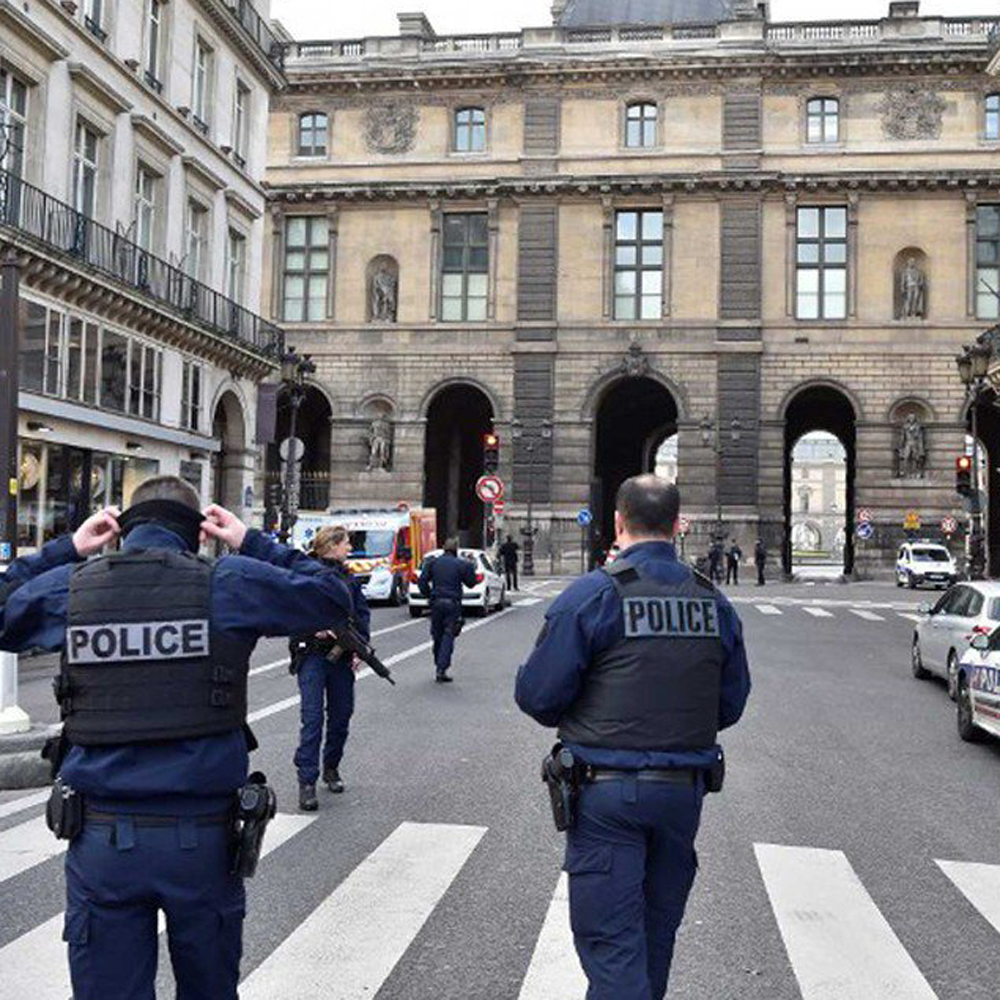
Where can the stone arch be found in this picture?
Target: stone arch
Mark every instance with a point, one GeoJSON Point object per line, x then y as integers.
{"type": "Point", "coordinates": [905, 405]}
{"type": "Point", "coordinates": [899, 262]}
{"type": "Point", "coordinates": [232, 464]}
{"type": "Point", "coordinates": [600, 388]}
{"type": "Point", "coordinates": [382, 289]}
{"type": "Point", "coordinates": [819, 383]}
{"type": "Point", "coordinates": [460, 380]}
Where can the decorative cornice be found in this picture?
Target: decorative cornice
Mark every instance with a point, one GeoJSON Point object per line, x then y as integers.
{"type": "Point", "coordinates": [227, 22]}
{"type": "Point", "coordinates": [85, 77]}
{"type": "Point", "coordinates": [156, 134]}
{"type": "Point", "coordinates": [238, 202]}
{"type": "Point", "coordinates": [199, 169]}
{"type": "Point", "coordinates": [14, 20]}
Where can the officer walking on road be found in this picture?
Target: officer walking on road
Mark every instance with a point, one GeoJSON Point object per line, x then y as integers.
{"type": "Point", "coordinates": [760, 560]}
{"type": "Point", "coordinates": [153, 690]}
{"type": "Point", "coordinates": [638, 666]}
{"type": "Point", "coordinates": [441, 582]}
{"type": "Point", "coordinates": [508, 553]}
{"type": "Point", "coordinates": [734, 556]}
{"type": "Point", "coordinates": [324, 675]}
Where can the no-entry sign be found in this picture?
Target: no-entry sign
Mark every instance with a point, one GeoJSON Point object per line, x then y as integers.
{"type": "Point", "coordinates": [489, 489]}
{"type": "Point", "coordinates": [499, 506]}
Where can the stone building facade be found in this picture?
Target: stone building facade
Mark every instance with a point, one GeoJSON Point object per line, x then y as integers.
{"type": "Point", "coordinates": [132, 141]}
{"type": "Point", "coordinates": [592, 236]}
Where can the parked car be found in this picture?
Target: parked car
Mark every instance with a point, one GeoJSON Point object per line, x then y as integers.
{"type": "Point", "coordinates": [943, 635]}
{"type": "Point", "coordinates": [979, 689]}
{"type": "Point", "coordinates": [489, 593]}
{"type": "Point", "coordinates": [920, 564]}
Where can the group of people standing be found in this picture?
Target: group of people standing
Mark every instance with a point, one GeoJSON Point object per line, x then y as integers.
{"type": "Point", "coordinates": [732, 557]}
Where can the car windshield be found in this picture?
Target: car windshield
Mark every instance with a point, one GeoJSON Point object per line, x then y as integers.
{"type": "Point", "coordinates": [373, 544]}
{"type": "Point", "coordinates": [930, 555]}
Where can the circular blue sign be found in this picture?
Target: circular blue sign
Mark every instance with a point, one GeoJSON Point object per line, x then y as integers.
{"type": "Point", "coordinates": [584, 518]}
{"type": "Point", "coordinates": [865, 531]}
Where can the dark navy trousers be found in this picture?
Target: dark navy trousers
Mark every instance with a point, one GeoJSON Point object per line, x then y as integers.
{"type": "Point", "coordinates": [118, 877]}
{"type": "Point", "coordinates": [445, 613]}
{"type": "Point", "coordinates": [333, 684]}
{"type": "Point", "coordinates": [631, 863]}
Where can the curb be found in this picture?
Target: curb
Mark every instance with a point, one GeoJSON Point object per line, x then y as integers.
{"type": "Point", "coordinates": [21, 763]}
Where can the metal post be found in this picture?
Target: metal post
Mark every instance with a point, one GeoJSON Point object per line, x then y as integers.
{"type": "Point", "coordinates": [287, 517]}
{"type": "Point", "coordinates": [13, 719]}
{"type": "Point", "coordinates": [529, 531]}
{"type": "Point", "coordinates": [976, 555]}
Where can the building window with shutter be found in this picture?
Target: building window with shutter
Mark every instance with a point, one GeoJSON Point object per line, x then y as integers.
{"type": "Point", "coordinates": [465, 268]}
{"type": "Point", "coordinates": [307, 266]}
{"type": "Point", "coordinates": [639, 265]}
{"type": "Point", "coordinates": [641, 125]}
{"type": "Point", "coordinates": [821, 263]}
{"type": "Point", "coordinates": [470, 130]}
{"type": "Point", "coordinates": [823, 120]}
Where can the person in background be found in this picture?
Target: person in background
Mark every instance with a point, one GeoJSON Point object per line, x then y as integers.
{"type": "Point", "coordinates": [508, 553]}
{"type": "Point", "coordinates": [441, 582]}
{"type": "Point", "coordinates": [734, 556]}
{"type": "Point", "coordinates": [760, 560]}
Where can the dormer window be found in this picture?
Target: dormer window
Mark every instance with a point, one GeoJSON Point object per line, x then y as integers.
{"type": "Point", "coordinates": [313, 129]}
{"type": "Point", "coordinates": [470, 130]}
{"type": "Point", "coordinates": [823, 120]}
{"type": "Point", "coordinates": [992, 116]}
{"type": "Point", "coordinates": [641, 125]}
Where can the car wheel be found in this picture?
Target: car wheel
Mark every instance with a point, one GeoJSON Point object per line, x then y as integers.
{"type": "Point", "coordinates": [952, 675]}
{"type": "Point", "coordinates": [917, 661]}
{"type": "Point", "coordinates": [912, 582]}
{"type": "Point", "coordinates": [899, 580]}
{"type": "Point", "coordinates": [967, 729]}
{"type": "Point", "coordinates": [415, 612]}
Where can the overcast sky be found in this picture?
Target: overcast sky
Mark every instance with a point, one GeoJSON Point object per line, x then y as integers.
{"type": "Point", "coordinates": [346, 19]}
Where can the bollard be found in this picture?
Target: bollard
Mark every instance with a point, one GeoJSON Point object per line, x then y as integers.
{"type": "Point", "coordinates": [13, 718]}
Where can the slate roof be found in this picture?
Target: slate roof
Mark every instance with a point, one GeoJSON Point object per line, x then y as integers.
{"type": "Point", "coordinates": [599, 13]}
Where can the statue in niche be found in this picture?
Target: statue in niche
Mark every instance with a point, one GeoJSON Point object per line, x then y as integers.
{"type": "Point", "coordinates": [383, 291]}
{"type": "Point", "coordinates": [912, 291]}
{"type": "Point", "coordinates": [380, 443]}
{"type": "Point", "coordinates": [911, 448]}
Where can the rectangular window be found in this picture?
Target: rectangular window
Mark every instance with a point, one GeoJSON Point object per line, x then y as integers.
{"type": "Point", "coordinates": [241, 124]}
{"type": "Point", "coordinates": [313, 134]}
{"type": "Point", "coordinates": [93, 18]}
{"type": "Point", "coordinates": [465, 268]}
{"type": "Point", "coordinates": [144, 210]}
{"type": "Point", "coordinates": [993, 116]}
{"type": "Point", "coordinates": [470, 130]}
{"type": "Point", "coordinates": [154, 37]}
{"type": "Point", "coordinates": [236, 256]}
{"type": "Point", "coordinates": [307, 265]}
{"type": "Point", "coordinates": [145, 374]}
{"type": "Point", "coordinates": [988, 261]}
{"type": "Point", "coordinates": [821, 263]}
{"type": "Point", "coordinates": [823, 120]}
{"type": "Point", "coordinates": [75, 352]}
{"type": "Point", "coordinates": [114, 370]}
{"type": "Point", "coordinates": [197, 240]}
{"type": "Point", "coordinates": [191, 396]}
{"type": "Point", "coordinates": [90, 362]}
{"type": "Point", "coordinates": [639, 265]}
{"type": "Point", "coordinates": [34, 323]}
{"type": "Point", "coordinates": [640, 125]}
{"type": "Point", "coordinates": [85, 169]}
{"type": "Point", "coordinates": [201, 84]}
{"type": "Point", "coordinates": [53, 354]}
{"type": "Point", "coordinates": [13, 119]}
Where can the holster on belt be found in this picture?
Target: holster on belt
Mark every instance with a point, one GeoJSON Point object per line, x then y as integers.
{"type": "Point", "coordinates": [561, 775]}
{"type": "Point", "coordinates": [64, 811]}
{"type": "Point", "coordinates": [256, 805]}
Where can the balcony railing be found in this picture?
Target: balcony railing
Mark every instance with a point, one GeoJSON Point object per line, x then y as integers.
{"type": "Point", "coordinates": [256, 27]}
{"type": "Point", "coordinates": [60, 228]}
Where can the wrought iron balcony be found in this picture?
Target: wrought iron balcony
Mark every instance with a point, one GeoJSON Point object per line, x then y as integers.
{"type": "Point", "coordinates": [58, 228]}
{"type": "Point", "coordinates": [256, 27]}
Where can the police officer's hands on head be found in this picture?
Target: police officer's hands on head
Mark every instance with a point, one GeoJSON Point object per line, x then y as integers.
{"type": "Point", "coordinates": [96, 532]}
{"type": "Point", "coordinates": [224, 526]}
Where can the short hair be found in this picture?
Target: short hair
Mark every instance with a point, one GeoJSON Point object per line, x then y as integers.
{"type": "Point", "coordinates": [451, 545]}
{"type": "Point", "coordinates": [326, 538]}
{"type": "Point", "coordinates": [167, 488]}
{"type": "Point", "coordinates": [648, 505]}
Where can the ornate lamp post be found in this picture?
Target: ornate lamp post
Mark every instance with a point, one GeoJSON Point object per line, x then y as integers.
{"type": "Point", "coordinates": [295, 369]}
{"type": "Point", "coordinates": [711, 437]}
{"type": "Point", "coordinates": [973, 367]}
{"type": "Point", "coordinates": [531, 435]}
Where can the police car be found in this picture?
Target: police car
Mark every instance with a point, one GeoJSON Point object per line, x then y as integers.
{"type": "Point", "coordinates": [979, 689]}
{"type": "Point", "coordinates": [489, 593]}
{"type": "Point", "coordinates": [925, 563]}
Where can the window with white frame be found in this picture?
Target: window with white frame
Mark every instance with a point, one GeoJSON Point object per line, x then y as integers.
{"type": "Point", "coordinates": [992, 111]}
{"type": "Point", "coordinates": [145, 379]}
{"type": "Point", "coordinates": [191, 396]}
{"type": "Point", "coordinates": [201, 84]}
{"type": "Point", "coordinates": [465, 267]}
{"type": "Point", "coordinates": [85, 166]}
{"type": "Point", "coordinates": [13, 121]}
{"type": "Point", "coordinates": [641, 125]}
{"type": "Point", "coordinates": [988, 261]}
{"type": "Point", "coordinates": [307, 267]}
{"type": "Point", "coordinates": [154, 43]}
{"type": "Point", "coordinates": [93, 18]}
{"type": "Point", "coordinates": [236, 263]}
{"type": "Point", "coordinates": [470, 130]}
{"type": "Point", "coordinates": [639, 265]}
{"type": "Point", "coordinates": [241, 123]}
{"type": "Point", "coordinates": [821, 263]}
{"type": "Point", "coordinates": [144, 208]}
{"type": "Point", "coordinates": [313, 134]}
{"type": "Point", "coordinates": [196, 242]}
{"type": "Point", "coordinates": [823, 120]}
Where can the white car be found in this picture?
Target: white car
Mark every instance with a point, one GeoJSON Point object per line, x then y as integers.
{"type": "Point", "coordinates": [489, 593]}
{"type": "Point", "coordinates": [921, 564]}
{"type": "Point", "coordinates": [979, 689]}
{"type": "Point", "coordinates": [945, 630]}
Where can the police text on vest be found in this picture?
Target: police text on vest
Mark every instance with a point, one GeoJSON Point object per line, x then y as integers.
{"type": "Point", "coordinates": [109, 643]}
{"type": "Point", "coordinates": [672, 617]}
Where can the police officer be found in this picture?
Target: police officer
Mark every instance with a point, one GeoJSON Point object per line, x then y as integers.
{"type": "Point", "coordinates": [324, 675]}
{"type": "Point", "coordinates": [441, 582]}
{"type": "Point", "coordinates": [153, 686]}
{"type": "Point", "coordinates": [639, 666]}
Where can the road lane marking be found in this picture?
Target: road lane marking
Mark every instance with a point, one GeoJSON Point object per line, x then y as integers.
{"type": "Point", "coordinates": [527, 602]}
{"type": "Point", "coordinates": [34, 964]}
{"type": "Point", "coordinates": [26, 845]}
{"type": "Point", "coordinates": [912, 618]}
{"type": "Point", "coordinates": [839, 944]}
{"type": "Point", "coordinates": [768, 609]}
{"type": "Point", "coordinates": [24, 802]}
{"type": "Point", "coordinates": [868, 616]}
{"type": "Point", "coordinates": [554, 972]}
{"type": "Point", "coordinates": [817, 612]}
{"type": "Point", "coordinates": [980, 884]}
{"type": "Point", "coordinates": [264, 668]}
{"type": "Point", "coordinates": [349, 945]}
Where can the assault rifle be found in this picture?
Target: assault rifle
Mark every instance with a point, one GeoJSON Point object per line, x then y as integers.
{"type": "Point", "coordinates": [350, 640]}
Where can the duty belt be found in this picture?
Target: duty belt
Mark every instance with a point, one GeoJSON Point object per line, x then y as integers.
{"type": "Point", "coordinates": [138, 819]}
{"type": "Point", "coordinates": [669, 776]}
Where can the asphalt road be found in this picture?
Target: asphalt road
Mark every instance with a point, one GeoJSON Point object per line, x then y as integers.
{"type": "Point", "coordinates": [433, 875]}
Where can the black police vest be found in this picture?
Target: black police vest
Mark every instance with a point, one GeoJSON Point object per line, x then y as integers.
{"type": "Point", "coordinates": [142, 662]}
{"type": "Point", "coordinates": [658, 687]}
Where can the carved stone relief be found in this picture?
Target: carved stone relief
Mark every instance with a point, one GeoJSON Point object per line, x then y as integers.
{"type": "Point", "coordinates": [912, 113]}
{"type": "Point", "coordinates": [910, 284]}
{"type": "Point", "coordinates": [391, 128]}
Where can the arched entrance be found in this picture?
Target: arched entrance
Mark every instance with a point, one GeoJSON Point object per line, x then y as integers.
{"type": "Point", "coordinates": [827, 409]}
{"type": "Point", "coordinates": [312, 427]}
{"type": "Point", "coordinates": [228, 464]}
{"type": "Point", "coordinates": [458, 418]}
{"type": "Point", "coordinates": [635, 418]}
{"type": "Point", "coordinates": [988, 430]}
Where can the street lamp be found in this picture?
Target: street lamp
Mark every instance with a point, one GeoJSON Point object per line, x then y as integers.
{"type": "Point", "coordinates": [973, 367]}
{"type": "Point", "coordinates": [295, 369]}
{"type": "Point", "coordinates": [531, 435]}
{"type": "Point", "coordinates": [711, 437]}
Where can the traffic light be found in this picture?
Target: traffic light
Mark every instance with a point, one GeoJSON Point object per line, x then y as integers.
{"type": "Point", "coordinates": [491, 453]}
{"type": "Point", "coordinates": [963, 475]}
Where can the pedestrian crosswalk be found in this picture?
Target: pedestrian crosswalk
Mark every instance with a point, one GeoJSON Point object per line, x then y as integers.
{"type": "Point", "coordinates": [838, 943]}
{"type": "Point", "coordinates": [834, 612]}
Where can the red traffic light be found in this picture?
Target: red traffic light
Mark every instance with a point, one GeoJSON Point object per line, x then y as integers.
{"type": "Point", "coordinates": [490, 441]}
{"type": "Point", "coordinates": [963, 463]}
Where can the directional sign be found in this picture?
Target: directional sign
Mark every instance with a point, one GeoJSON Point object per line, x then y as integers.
{"type": "Point", "coordinates": [683, 525]}
{"type": "Point", "coordinates": [489, 489]}
{"type": "Point", "coordinates": [912, 521]}
{"type": "Point", "coordinates": [864, 515]}
{"type": "Point", "coordinates": [865, 530]}
{"type": "Point", "coordinates": [499, 506]}
{"type": "Point", "coordinates": [584, 518]}
{"type": "Point", "coordinates": [949, 526]}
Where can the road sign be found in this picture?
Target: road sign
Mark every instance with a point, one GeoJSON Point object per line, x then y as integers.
{"type": "Point", "coordinates": [865, 530]}
{"type": "Point", "coordinates": [584, 518]}
{"type": "Point", "coordinates": [489, 489]}
{"type": "Point", "coordinates": [292, 449]}
{"type": "Point", "coordinates": [864, 515]}
{"type": "Point", "coordinates": [912, 521]}
{"type": "Point", "coordinates": [499, 506]}
{"type": "Point", "coordinates": [949, 526]}
{"type": "Point", "coordinates": [683, 525]}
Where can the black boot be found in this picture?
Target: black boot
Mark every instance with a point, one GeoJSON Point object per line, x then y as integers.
{"type": "Point", "coordinates": [307, 798]}
{"type": "Point", "coordinates": [442, 677]}
{"type": "Point", "coordinates": [331, 778]}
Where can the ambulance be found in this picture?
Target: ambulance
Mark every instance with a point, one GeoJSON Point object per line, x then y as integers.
{"type": "Point", "coordinates": [387, 545]}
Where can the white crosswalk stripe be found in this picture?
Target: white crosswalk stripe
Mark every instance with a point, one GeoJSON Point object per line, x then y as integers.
{"type": "Point", "coordinates": [26, 845]}
{"type": "Point", "coordinates": [769, 609]}
{"type": "Point", "coordinates": [554, 972]}
{"type": "Point", "coordinates": [912, 618]}
{"type": "Point", "coordinates": [527, 602]}
{"type": "Point", "coordinates": [839, 944]}
{"type": "Point", "coordinates": [818, 612]}
{"type": "Point", "coordinates": [23, 802]}
{"type": "Point", "coordinates": [360, 941]}
{"type": "Point", "coordinates": [980, 884]}
{"type": "Point", "coordinates": [868, 616]}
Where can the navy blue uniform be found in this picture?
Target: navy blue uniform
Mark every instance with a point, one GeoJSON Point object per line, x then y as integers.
{"type": "Point", "coordinates": [441, 582]}
{"type": "Point", "coordinates": [119, 874]}
{"type": "Point", "coordinates": [630, 856]}
{"type": "Point", "coordinates": [320, 679]}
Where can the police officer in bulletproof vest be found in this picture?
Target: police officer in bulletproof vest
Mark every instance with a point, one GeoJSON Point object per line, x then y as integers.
{"type": "Point", "coordinates": [152, 787]}
{"type": "Point", "coordinates": [639, 666]}
{"type": "Point", "coordinates": [441, 582]}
